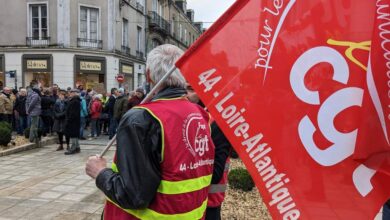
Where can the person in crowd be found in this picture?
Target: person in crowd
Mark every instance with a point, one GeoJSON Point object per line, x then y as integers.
{"type": "Point", "coordinates": [80, 88]}
{"type": "Point", "coordinates": [54, 92]}
{"type": "Point", "coordinates": [72, 124]}
{"type": "Point", "coordinates": [88, 99]}
{"type": "Point", "coordinates": [6, 105]}
{"type": "Point", "coordinates": [104, 117]}
{"type": "Point", "coordinates": [83, 114]}
{"type": "Point", "coordinates": [14, 95]}
{"type": "Point", "coordinates": [59, 120]}
{"type": "Point", "coordinates": [47, 103]}
{"type": "Point", "coordinates": [20, 111]}
{"type": "Point", "coordinates": [110, 110]}
{"type": "Point", "coordinates": [137, 98]}
{"type": "Point", "coordinates": [221, 164]}
{"type": "Point", "coordinates": [33, 110]}
{"type": "Point", "coordinates": [120, 107]}
{"type": "Point", "coordinates": [95, 111]}
{"type": "Point", "coordinates": [145, 181]}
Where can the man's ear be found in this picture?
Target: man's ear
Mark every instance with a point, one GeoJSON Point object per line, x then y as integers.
{"type": "Point", "coordinates": [148, 79]}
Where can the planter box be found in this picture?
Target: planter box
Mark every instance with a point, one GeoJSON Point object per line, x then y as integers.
{"type": "Point", "coordinates": [44, 141]}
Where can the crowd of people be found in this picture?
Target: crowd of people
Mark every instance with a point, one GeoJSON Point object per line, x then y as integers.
{"type": "Point", "coordinates": [35, 111]}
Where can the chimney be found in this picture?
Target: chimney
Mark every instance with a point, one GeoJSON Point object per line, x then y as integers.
{"type": "Point", "coordinates": [182, 4]}
{"type": "Point", "coordinates": [191, 14]}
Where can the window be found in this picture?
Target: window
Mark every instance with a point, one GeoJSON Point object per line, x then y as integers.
{"type": "Point", "coordinates": [139, 38]}
{"type": "Point", "coordinates": [125, 33]}
{"type": "Point", "coordinates": [181, 32]}
{"type": "Point", "coordinates": [38, 21]}
{"type": "Point", "coordinates": [173, 26]}
{"type": "Point", "coordinates": [156, 7]}
{"type": "Point", "coordinates": [185, 36]}
{"type": "Point", "coordinates": [155, 43]}
{"type": "Point", "coordinates": [89, 22]}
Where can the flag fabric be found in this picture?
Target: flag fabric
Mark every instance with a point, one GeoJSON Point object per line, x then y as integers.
{"type": "Point", "coordinates": [301, 90]}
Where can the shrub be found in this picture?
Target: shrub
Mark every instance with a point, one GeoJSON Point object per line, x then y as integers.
{"type": "Point", "coordinates": [240, 178]}
{"type": "Point", "coordinates": [6, 124]}
{"type": "Point", "coordinates": [5, 133]}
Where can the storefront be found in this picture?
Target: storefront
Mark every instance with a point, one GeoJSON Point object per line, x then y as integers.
{"type": "Point", "coordinates": [90, 72]}
{"type": "Point", "coordinates": [127, 70]}
{"type": "Point", "coordinates": [2, 72]}
{"type": "Point", "coordinates": [37, 67]}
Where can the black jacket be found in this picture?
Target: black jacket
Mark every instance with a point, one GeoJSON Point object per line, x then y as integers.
{"type": "Point", "coordinates": [72, 117]}
{"type": "Point", "coordinates": [110, 105]}
{"type": "Point", "coordinates": [222, 151]}
{"type": "Point", "coordinates": [138, 136]}
{"type": "Point", "coordinates": [47, 103]}
{"type": "Point", "coordinates": [20, 105]}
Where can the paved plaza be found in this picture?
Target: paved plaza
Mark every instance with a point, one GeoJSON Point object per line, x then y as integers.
{"type": "Point", "coordinates": [45, 184]}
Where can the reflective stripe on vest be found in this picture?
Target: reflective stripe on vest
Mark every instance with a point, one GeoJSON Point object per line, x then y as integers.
{"type": "Point", "coordinates": [184, 186]}
{"type": "Point", "coordinates": [150, 214]}
{"type": "Point", "coordinates": [218, 188]}
{"type": "Point", "coordinates": [178, 187]}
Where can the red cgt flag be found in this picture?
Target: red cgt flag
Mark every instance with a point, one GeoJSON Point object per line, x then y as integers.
{"type": "Point", "coordinates": [292, 86]}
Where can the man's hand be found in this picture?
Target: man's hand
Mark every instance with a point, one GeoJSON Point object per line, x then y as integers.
{"type": "Point", "coordinates": [95, 165]}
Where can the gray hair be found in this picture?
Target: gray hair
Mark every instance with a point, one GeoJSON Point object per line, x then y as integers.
{"type": "Point", "coordinates": [160, 60]}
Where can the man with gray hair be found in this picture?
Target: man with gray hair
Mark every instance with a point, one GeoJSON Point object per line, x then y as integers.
{"type": "Point", "coordinates": [6, 105]}
{"type": "Point", "coordinates": [20, 111]}
{"type": "Point", "coordinates": [164, 159]}
{"type": "Point", "coordinates": [33, 110]}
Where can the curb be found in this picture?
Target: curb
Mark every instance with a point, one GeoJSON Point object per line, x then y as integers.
{"type": "Point", "coordinates": [29, 146]}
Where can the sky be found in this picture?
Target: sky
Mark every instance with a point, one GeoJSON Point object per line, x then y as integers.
{"type": "Point", "coordinates": [208, 10]}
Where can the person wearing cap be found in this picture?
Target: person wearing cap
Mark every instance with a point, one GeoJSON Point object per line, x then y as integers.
{"type": "Point", "coordinates": [136, 99]}
{"type": "Point", "coordinates": [152, 176]}
{"type": "Point", "coordinates": [72, 121]}
{"type": "Point", "coordinates": [6, 105]}
{"type": "Point", "coordinates": [120, 106]}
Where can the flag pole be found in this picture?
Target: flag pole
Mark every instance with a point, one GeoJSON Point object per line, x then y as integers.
{"type": "Point", "coordinates": [146, 99]}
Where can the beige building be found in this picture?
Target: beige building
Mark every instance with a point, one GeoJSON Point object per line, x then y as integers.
{"type": "Point", "coordinates": [169, 21]}
{"type": "Point", "coordinates": [73, 42]}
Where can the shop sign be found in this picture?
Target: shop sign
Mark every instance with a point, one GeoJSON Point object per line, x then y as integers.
{"type": "Point", "coordinates": [94, 66]}
{"type": "Point", "coordinates": [126, 69]}
{"type": "Point", "coordinates": [36, 64]}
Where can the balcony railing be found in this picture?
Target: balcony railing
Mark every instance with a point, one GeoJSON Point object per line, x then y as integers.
{"type": "Point", "coordinates": [140, 7]}
{"type": "Point", "coordinates": [37, 42]}
{"type": "Point", "coordinates": [125, 50]}
{"type": "Point", "coordinates": [139, 55]}
{"type": "Point", "coordinates": [89, 43]}
{"type": "Point", "coordinates": [157, 21]}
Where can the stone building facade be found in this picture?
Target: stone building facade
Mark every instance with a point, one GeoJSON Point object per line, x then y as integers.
{"type": "Point", "coordinates": [71, 43]}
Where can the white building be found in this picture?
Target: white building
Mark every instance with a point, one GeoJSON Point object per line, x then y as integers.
{"type": "Point", "coordinates": [73, 42]}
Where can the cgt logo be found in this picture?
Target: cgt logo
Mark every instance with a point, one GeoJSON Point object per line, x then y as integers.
{"type": "Point", "coordinates": [343, 144]}
{"type": "Point", "coordinates": [195, 125]}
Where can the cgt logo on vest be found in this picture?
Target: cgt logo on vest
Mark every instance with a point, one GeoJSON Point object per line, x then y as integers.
{"type": "Point", "coordinates": [342, 144]}
{"type": "Point", "coordinates": [197, 144]}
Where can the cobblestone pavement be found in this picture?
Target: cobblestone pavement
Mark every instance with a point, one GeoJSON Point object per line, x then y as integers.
{"type": "Point", "coordinates": [45, 184]}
